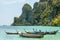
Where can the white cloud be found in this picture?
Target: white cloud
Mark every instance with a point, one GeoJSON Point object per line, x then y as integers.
{"type": "Point", "coordinates": [11, 1]}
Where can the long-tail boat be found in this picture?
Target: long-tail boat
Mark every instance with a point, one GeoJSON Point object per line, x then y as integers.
{"type": "Point", "coordinates": [44, 33]}
{"type": "Point", "coordinates": [52, 32]}
{"type": "Point", "coordinates": [11, 32]}
{"type": "Point", "coordinates": [31, 35]}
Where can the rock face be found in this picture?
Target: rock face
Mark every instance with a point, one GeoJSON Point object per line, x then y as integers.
{"type": "Point", "coordinates": [27, 13]}
{"type": "Point", "coordinates": [43, 13]}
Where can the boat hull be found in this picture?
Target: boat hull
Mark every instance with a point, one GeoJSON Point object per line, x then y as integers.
{"type": "Point", "coordinates": [11, 33]}
{"type": "Point", "coordinates": [43, 33]}
{"type": "Point", "coordinates": [53, 32]}
{"type": "Point", "coordinates": [31, 35]}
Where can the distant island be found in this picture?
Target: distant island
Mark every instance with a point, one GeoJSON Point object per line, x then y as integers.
{"type": "Point", "coordinates": [43, 13]}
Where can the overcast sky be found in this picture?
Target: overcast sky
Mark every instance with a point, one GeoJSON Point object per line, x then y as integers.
{"type": "Point", "coordinates": [12, 8]}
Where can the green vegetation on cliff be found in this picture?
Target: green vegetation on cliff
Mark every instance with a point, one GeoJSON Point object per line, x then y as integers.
{"type": "Point", "coordinates": [44, 12]}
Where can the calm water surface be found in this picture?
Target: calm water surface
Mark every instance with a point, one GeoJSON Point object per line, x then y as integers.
{"type": "Point", "coordinates": [4, 36]}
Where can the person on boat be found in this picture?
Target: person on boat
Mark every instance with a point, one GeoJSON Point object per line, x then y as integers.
{"type": "Point", "coordinates": [39, 30]}
{"type": "Point", "coordinates": [36, 32]}
{"type": "Point", "coordinates": [25, 30]}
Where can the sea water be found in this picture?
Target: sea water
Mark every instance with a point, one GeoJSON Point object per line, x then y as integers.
{"type": "Point", "coordinates": [4, 36]}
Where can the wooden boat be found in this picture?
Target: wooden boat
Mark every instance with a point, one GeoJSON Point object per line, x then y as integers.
{"type": "Point", "coordinates": [53, 32]}
{"type": "Point", "coordinates": [35, 33]}
{"type": "Point", "coordinates": [11, 32]}
{"type": "Point", "coordinates": [17, 32]}
{"type": "Point", "coordinates": [31, 35]}
{"type": "Point", "coordinates": [44, 33]}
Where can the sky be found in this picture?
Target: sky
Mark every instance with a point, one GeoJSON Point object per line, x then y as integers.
{"type": "Point", "coordinates": [12, 8]}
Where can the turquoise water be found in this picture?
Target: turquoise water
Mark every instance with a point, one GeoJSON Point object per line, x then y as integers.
{"type": "Point", "coordinates": [4, 36]}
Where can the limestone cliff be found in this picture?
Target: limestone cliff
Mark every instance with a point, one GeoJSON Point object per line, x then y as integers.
{"type": "Point", "coordinates": [42, 13]}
